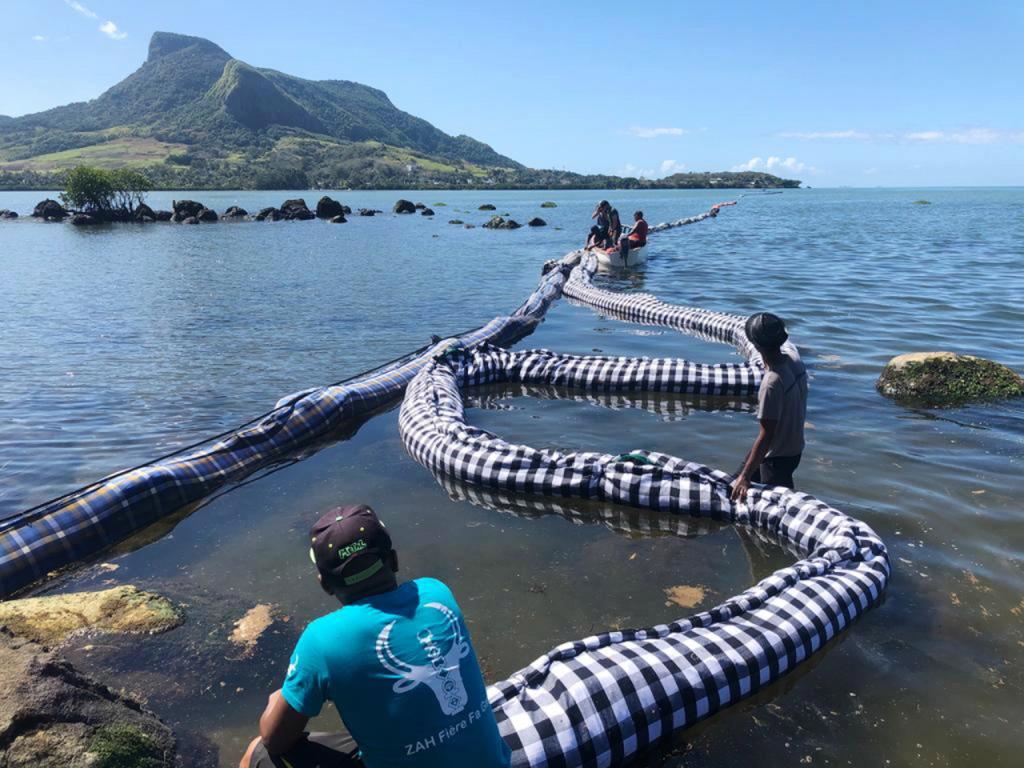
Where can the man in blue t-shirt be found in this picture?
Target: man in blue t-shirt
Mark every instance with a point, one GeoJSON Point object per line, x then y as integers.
{"type": "Point", "coordinates": [395, 659]}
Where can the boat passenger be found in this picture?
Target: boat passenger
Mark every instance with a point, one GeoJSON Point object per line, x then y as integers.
{"type": "Point", "coordinates": [637, 238]}
{"type": "Point", "coordinates": [395, 659]}
{"type": "Point", "coordinates": [614, 225]}
{"type": "Point", "coordinates": [781, 408]}
{"type": "Point", "coordinates": [599, 232]}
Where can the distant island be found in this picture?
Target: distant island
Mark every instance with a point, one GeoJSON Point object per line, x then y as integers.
{"type": "Point", "coordinates": [194, 117]}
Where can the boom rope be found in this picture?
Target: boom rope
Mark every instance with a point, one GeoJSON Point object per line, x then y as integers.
{"type": "Point", "coordinates": [604, 699]}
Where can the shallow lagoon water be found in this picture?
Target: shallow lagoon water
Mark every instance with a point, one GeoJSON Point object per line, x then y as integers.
{"type": "Point", "coordinates": [120, 343]}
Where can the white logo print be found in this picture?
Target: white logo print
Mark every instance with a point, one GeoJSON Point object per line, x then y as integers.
{"type": "Point", "coordinates": [293, 666]}
{"type": "Point", "coordinates": [442, 674]}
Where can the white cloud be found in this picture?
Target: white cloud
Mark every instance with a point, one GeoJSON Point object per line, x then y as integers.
{"type": "Point", "coordinates": [848, 134]}
{"type": "Point", "coordinates": [668, 167]}
{"type": "Point", "coordinates": [110, 29]}
{"type": "Point", "coordinates": [78, 7]}
{"type": "Point", "coordinates": [39, 38]}
{"type": "Point", "coordinates": [653, 133]}
{"type": "Point", "coordinates": [965, 136]}
{"type": "Point", "coordinates": [775, 164]}
{"type": "Point", "coordinates": [870, 171]}
{"type": "Point", "coordinates": [636, 171]}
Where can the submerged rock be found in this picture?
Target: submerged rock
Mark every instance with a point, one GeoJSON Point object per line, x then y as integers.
{"type": "Point", "coordinates": [938, 379]}
{"type": "Point", "coordinates": [248, 629]}
{"type": "Point", "coordinates": [6, 214]}
{"type": "Point", "coordinates": [49, 210]}
{"type": "Point", "coordinates": [487, 207]}
{"type": "Point", "coordinates": [497, 222]}
{"type": "Point", "coordinates": [190, 220]}
{"type": "Point", "coordinates": [208, 215]}
{"type": "Point", "coordinates": [52, 619]}
{"type": "Point", "coordinates": [339, 219]}
{"type": "Point", "coordinates": [420, 206]}
{"type": "Point", "coordinates": [164, 215]}
{"type": "Point", "coordinates": [328, 208]}
{"type": "Point", "coordinates": [84, 220]}
{"type": "Point", "coordinates": [548, 204]}
{"type": "Point", "coordinates": [404, 206]}
{"type": "Point", "coordinates": [426, 212]}
{"type": "Point", "coordinates": [368, 212]}
{"type": "Point", "coordinates": [52, 715]}
{"type": "Point", "coordinates": [455, 221]}
{"type": "Point", "coordinates": [536, 221]}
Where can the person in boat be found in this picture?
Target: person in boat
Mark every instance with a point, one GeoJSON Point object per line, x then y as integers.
{"type": "Point", "coordinates": [637, 237]}
{"type": "Point", "coordinates": [599, 232]}
{"type": "Point", "coordinates": [781, 408]}
{"type": "Point", "coordinates": [614, 225]}
{"type": "Point", "coordinates": [396, 660]}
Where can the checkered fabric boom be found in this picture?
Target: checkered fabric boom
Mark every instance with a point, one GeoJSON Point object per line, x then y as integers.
{"type": "Point", "coordinates": [35, 543]}
{"type": "Point", "coordinates": [603, 699]}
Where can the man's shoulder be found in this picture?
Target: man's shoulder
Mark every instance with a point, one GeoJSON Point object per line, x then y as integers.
{"type": "Point", "coordinates": [433, 589]}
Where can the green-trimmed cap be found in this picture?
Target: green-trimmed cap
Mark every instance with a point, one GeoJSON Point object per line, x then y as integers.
{"type": "Point", "coordinates": [350, 544]}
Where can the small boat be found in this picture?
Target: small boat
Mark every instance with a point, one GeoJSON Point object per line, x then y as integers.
{"type": "Point", "coordinates": [613, 257]}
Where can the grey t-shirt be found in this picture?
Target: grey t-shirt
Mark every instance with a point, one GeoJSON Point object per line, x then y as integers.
{"type": "Point", "coordinates": [783, 399]}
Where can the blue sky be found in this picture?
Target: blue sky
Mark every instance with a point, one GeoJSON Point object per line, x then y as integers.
{"type": "Point", "coordinates": [862, 94]}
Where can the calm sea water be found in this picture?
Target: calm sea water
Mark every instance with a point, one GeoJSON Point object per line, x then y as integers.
{"type": "Point", "coordinates": [118, 344]}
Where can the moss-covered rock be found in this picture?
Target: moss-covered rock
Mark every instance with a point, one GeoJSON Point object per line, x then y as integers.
{"type": "Point", "coordinates": [942, 379]}
{"type": "Point", "coordinates": [126, 746]}
{"type": "Point", "coordinates": [51, 620]}
{"type": "Point", "coordinates": [922, 202]}
{"type": "Point", "coordinates": [548, 204]}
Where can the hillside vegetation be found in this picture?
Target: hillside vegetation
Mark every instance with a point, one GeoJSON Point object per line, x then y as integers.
{"type": "Point", "coordinates": [192, 116]}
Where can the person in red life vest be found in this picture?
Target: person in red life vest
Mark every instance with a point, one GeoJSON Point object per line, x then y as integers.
{"type": "Point", "coordinates": [637, 238]}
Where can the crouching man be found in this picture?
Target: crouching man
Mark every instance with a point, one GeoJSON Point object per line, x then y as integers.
{"type": "Point", "coordinates": [395, 659]}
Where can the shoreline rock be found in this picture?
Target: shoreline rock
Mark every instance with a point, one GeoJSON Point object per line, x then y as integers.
{"type": "Point", "coordinates": [944, 379]}
{"type": "Point", "coordinates": [49, 210]}
{"type": "Point", "coordinates": [51, 714]}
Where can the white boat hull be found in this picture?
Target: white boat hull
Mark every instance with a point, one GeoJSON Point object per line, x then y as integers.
{"type": "Point", "coordinates": [614, 259]}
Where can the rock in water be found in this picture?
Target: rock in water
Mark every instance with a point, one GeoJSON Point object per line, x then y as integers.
{"type": "Point", "coordinates": [184, 209]}
{"type": "Point", "coordinates": [164, 215]}
{"type": "Point", "coordinates": [49, 210]}
{"type": "Point", "coordinates": [367, 212]}
{"type": "Point", "coordinates": [328, 208]}
{"type": "Point", "coordinates": [144, 213]}
{"type": "Point", "coordinates": [426, 212]}
{"type": "Point", "coordinates": [339, 219]}
{"type": "Point", "coordinates": [497, 222]}
{"type": "Point", "coordinates": [455, 221]}
{"type": "Point", "coordinates": [84, 220]}
{"type": "Point", "coordinates": [268, 213]}
{"type": "Point", "coordinates": [536, 221]}
{"type": "Point", "coordinates": [190, 220]}
{"type": "Point", "coordinates": [6, 214]}
{"type": "Point", "coordinates": [486, 207]}
{"type": "Point", "coordinates": [235, 212]}
{"type": "Point", "coordinates": [296, 210]}
{"type": "Point", "coordinates": [52, 715]}
{"type": "Point", "coordinates": [52, 619]}
{"type": "Point", "coordinates": [251, 626]}
{"type": "Point", "coordinates": [404, 206]}
{"type": "Point", "coordinates": [548, 204]}
{"type": "Point", "coordinates": [941, 379]}
{"type": "Point", "coordinates": [420, 206]}
{"type": "Point", "coordinates": [207, 214]}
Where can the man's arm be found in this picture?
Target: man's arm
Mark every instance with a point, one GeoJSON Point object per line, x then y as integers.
{"type": "Point", "coordinates": [764, 440]}
{"type": "Point", "coordinates": [280, 725]}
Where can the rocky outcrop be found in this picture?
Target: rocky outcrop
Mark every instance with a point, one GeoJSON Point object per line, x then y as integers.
{"type": "Point", "coordinates": [52, 619]}
{"type": "Point", "coordinates": [486, 207]}
{"type": "Point", "coordinates": [49, 210]}
{"type": "Point", "coordinates": [328, 208]}
{"type": "Point", "coordinates": [271, 214]}
{"type": "Point", "coordinates": [84, 220]}
{"type": "Point", "coordinates": [497, 222]}
{"type": "Point", "coordinates": [143, 212]}
{"type": "Point", "coordinates": [404, 206]}
{"type": "Point", "coordinates": [164, 215]}
{"type": "Point", "coordinates": [184, 209]}
{"type": "Point", "coordinates": [420, 206]}
{"type": "Point", "coordinates": [536, 221]}
{"type": "Point", "coordinates": [339, 219]}
{"type": "Point", "coordinates": [296, 210]}
{"type": "Point", "coordinates": [6, 214]}
{"type": "Point", "coordinates": [52, 715]}
{"type": "Point", "coordinates": [235, 213]}
{"type": "Point", "coordinates": [190, 220]}
{"type": "Point", "coordinates": [367, 212]}
{"type": "Point", "coordinates": [427, 212]}
{"type": "Point", "coordinates": [942, 379]}
{"type": "Point", "coordinates": [208, 215]}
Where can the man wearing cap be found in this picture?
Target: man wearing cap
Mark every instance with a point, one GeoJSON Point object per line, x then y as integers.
{"type": "Point", "coordinates": [781, 408]}
{"type": "Point", "coordinates": [395, 659]}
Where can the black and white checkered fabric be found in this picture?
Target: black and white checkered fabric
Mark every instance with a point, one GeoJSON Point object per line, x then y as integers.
{"type": "Point", "coordinates": [600, 700]}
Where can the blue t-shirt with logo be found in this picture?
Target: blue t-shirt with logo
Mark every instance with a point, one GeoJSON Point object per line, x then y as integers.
{"type": "Point", "coordinates": [401, 670]}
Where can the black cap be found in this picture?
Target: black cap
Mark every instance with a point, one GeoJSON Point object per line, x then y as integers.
{"type": "Point", "coordinates": [766, 330]}
{"type": "Point", "coordinates": [350, 544]}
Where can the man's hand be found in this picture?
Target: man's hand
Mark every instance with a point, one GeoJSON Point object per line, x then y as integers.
{"type": "Point", "coordinates": [740, 487]}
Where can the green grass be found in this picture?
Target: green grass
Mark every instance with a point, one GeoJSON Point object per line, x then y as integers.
{"type": "Point", "coordinates": [116, 153]}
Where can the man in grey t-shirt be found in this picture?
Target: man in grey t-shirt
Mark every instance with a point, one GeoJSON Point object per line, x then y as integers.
{"type": "Point", "coordinates": [781, 408]}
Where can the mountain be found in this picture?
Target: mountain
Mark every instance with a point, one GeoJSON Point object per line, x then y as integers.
{"type": "Point", "coordinates": [194, 116]}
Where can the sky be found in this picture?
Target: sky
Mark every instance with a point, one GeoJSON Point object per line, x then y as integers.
{"type": "Point", "coordinates": [835, 94]}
